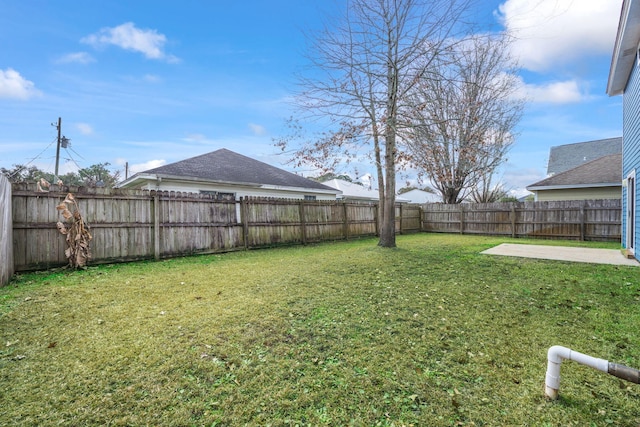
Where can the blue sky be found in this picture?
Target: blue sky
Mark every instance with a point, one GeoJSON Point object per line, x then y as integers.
{"type": "Point", "coordinates": [154, 82]}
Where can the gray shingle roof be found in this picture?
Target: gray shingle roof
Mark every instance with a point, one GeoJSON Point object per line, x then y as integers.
{"type": "Point", "coordinates": [227, 166]}
{"type": "Point", "coordinates": [605, 170]}
{"type": "Point", "coordinates": [569, 156]}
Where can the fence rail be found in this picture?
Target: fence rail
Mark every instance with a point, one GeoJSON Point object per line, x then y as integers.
{"type": "Point", "coordinates": [132, 225]}
{"type": "Point", "coordinates": [572, 220]}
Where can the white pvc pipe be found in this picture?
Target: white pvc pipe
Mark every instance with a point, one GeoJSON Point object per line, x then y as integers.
{"type": "Point", "coordinates": [555, 355]}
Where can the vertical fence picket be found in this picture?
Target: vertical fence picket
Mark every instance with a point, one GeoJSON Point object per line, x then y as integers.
{"type": "Point", "coordinates": [303, 223]}
{"type": "Point", "coordinates": [155, 213]}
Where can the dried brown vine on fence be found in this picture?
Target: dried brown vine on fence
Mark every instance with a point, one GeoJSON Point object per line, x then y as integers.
{"type": "Point", "coordinates": [78, 251]}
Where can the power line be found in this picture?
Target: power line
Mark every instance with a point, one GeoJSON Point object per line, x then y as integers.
{"type": "Point", "coordinates": [74, 152]}
{"type": "Point", "coordinates": [73, 160]}
{"type": "Point", "coordinates": [32, 160]}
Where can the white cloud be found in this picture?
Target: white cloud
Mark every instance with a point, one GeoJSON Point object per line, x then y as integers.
{"type": "Point", "coordinates": [127, 36]}
{"type": "Point", "coordinates": [138, 167]}
{"type": "Point", "coordinates": [257, 130]}
{"type": "Point", "coordinates": [13, 85]}
{"type": "Point", "coordinates": [564, 92]}
{"type": "Point", "coordinates": [516, 180]}
{"type": "Point", "coordinates": [151, 78]}
{"type": "Point", "coordinates": [76, 57]}
{"type": "Point", "coordinates": [552, 32]}
{"type": "Point", "coordinates": [141, 167]}
{"type": "Point", "coordinates": [84, 128]}
{"type": "Point", "coordinates": [195, 137]}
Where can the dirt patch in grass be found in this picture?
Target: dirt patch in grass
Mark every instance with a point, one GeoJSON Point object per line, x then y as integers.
{"type": "Point", "coordinates": [430, 333]}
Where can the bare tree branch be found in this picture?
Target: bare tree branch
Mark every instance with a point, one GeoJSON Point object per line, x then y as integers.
{"type": "Point", "coordinates": [363, 70]}
{"type": "Point", "coordinates": [464, 118]}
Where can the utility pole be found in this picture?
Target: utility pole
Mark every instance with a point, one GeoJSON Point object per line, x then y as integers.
{"type": "Point", "coordinates": [59, 127]}
{"type": "Point", "coordinates": [62, 141]}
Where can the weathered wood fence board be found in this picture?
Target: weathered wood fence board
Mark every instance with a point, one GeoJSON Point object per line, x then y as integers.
{"type": "Point", "coordinates": [6, 231]}
{"type": "Point", "coordinates": [132, 225]}
{"type": "Point", "coordinates": [574, 220]}
{"type": "Point", "coordinates": [408, 218]}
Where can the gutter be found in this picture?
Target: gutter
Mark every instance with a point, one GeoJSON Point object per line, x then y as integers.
{"type": "Point", "coordinates": [573, 186]}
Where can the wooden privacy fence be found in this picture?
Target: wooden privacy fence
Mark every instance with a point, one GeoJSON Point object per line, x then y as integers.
{"type": "Point", "coordinates": [131, 225]}
{"type": "Point", "coordinates": [6, 231]}
{"type": "Point", "coordinates": [572, 220]}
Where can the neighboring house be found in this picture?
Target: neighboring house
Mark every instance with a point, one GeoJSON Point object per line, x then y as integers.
{"type": "Point", "coordinates": [597, 179]}
{"type": "Point", "coordinates": [352, 191]}
{"type": "Point", "coordinates": [229, 175]}
{"type": "Point", "coordinates": [624, 79]}
{"type": "Point", "coordinates": [569, 156]}
{"type": "Point", "coordinates": [582, 171]}
{"type": "Point", "coordinates": [421, 196]}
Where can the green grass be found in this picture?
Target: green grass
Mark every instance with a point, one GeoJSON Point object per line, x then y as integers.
{"type": "Point", "coordinates": [430, 333]}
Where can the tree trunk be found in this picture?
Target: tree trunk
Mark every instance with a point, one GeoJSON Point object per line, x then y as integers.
{"type": "Point", "coordinates": [388, 229]}
{"type": "Point", "coordinates": [380, 177]}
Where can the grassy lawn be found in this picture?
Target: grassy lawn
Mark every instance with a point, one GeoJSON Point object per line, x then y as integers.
{"type": "Point", "coordinates": [430, 333]}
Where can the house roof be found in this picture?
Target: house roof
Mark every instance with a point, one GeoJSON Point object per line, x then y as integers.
{"type": "Point", "coordinates": [353, 191]}
{"type": "Point", "coordinates": [626, 47]}
{"type": "Point", "coordinates": [421, 196]}
{"type": "Point", "coordinates": [569, 156]}
{"type": "Point", "coordinates": [226, 166]}
{"type": "Point", "coordinates": [605, 171]}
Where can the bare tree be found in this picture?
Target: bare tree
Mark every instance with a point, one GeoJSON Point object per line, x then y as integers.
{"type": "Point", "coordinates": [464, 119]}
{"type": "Point", "coordinates": [485, 191]}
{"type": "Point", "coordinates": [362, 72]}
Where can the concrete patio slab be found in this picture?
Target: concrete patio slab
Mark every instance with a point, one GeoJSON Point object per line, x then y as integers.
{"type": "Point", "coordinates": [563, 253]}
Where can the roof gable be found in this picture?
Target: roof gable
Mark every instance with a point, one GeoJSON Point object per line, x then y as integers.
{"type": "Point", "coordinates": [229, 167]}
{"type": "Point", "coordinates": [606, 170]}
{"type": "Point", "coordinates": [569, 156]}
{"type": "Point", "coordinates": [626, 47]}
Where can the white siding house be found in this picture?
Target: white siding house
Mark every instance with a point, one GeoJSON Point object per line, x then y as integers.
{"type": "Point", "coordinates": [229, 175]}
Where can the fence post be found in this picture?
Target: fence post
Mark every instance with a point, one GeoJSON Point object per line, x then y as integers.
{"type": "Point", "coordinates": [244, 220]}
{"type": "Point", "coordinates": [303, 222]}
{"type": "Point", "coordinates": [156, 226]}
{"type": "Point", "coordinates": [461, 218]}
{"type": "Point", "coordinates": [7, 267]}
{"type": "Point", "coordinates": [513, 220]}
